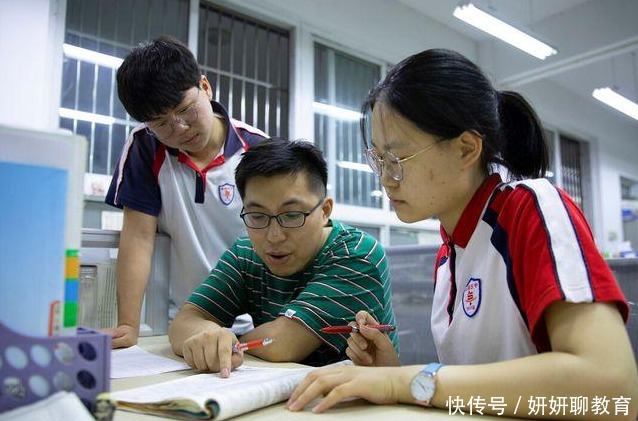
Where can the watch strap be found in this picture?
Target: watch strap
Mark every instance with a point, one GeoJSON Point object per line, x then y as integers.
{"type": "Point", "coordinates": [431, 370]}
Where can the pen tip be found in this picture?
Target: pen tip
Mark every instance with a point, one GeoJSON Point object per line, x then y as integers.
{"type": "Point", "coordinates": [268, 341]}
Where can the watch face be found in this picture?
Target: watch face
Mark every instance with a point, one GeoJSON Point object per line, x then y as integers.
{"type": "Point", "coordinates": [423, 387]}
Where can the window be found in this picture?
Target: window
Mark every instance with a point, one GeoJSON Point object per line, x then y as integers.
{"type": "Point", "coordinates": [248, 64]}
{"type": "Point", "coordinates": [246, 61]}
{"type": "Point", "coordinates": [569, 168]}
{"type": "Point", "coordinates": [341, 85]}
{"type": "Point", "coordinates": [572, 173]}
{"type": "Point", "coordinates": [407, 236]}
{"type": "Point", "coordinates": [89, 104]}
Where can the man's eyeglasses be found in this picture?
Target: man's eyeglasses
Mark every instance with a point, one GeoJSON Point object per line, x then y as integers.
{"type": "Point", "coordinates": [295, 219]}
{"type": "Point", "coordinates": [186, 117]}
{"type": "Point", "coordinates": [390, 163]}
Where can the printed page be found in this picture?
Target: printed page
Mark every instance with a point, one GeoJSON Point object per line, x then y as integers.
{"type": "Point", "coordinates": [134, 361]}
{"type": "Point", "coordinates": [257, 392]}
{"type": "Point", "coordinates": [246, 389]}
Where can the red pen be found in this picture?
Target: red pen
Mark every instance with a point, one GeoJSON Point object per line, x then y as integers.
{"type": "Point", "coordinates": [350, 329]}
{"type": "Point", "coordinates": [245, 346]}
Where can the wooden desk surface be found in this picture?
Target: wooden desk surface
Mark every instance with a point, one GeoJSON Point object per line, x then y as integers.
{"type": "Point", "coordinates": [355, 410]}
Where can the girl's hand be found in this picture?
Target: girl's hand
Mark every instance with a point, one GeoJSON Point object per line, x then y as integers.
{"type": "Point", "coordinates": [369, 346]}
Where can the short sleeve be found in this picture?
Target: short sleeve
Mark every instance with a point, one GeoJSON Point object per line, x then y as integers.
{"type": "Point", "coordinates": [342, 285]}
{"type": "Point", "coordinates": [134, 183]}
{"type": "Point", "coordinates": [554, 257]}
{"type": "Point", "coordinates": [222, 295]}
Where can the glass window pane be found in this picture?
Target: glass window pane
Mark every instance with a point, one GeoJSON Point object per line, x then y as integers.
{"type": "Point", "coordinates": [247, 63]}
{"type": "Point", "coordinates": [343, 81]}
{"type": "Point", "coordinates": [110, 27]}
{"type": "Point", "coordinates": [373, 231]}
{"type": "Point", "coordinates": [405, 236]}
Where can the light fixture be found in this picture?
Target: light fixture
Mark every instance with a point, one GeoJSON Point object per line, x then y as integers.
{"type": "Point", "coordinates": [354, 166]}
{"type": "Point", "coordinates": [90, 56]}
{"type": "Point", "coordinates": [336, 112]}
{"type": "Point", "coordinates": [471, 14]}
{"type": "Point", "coordinates": [617, 101]}
{"type": "Point", "coordinates": [84, 116]}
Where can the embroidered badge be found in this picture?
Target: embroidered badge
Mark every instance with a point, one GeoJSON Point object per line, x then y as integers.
{"type": "Point", "coordinates": [472, 297]}
{"type": "Point", "coordinates": [226, 193]}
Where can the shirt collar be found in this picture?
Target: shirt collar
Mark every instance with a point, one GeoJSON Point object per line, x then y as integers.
{"type": "Point", "coordinates": [472, 213]}
{"type": "Point", "coordinates": [233, 142]}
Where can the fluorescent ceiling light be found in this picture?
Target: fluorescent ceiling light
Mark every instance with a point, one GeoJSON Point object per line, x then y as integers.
{"type": "Point", "coordinates": [354, 166]}
{"type": "Point", "coordinates": [617, 101]}
{"type": "Point", "coordinates": [84, 116]}
{"type": "Point", "coordinates": [336, 112]}
{"type": "Point", "coordinates": [83, 54]}
{"type": "Point", "coordinates": [485, 22]}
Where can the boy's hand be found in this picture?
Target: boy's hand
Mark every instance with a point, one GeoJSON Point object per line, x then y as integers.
{"type": "Point", "coordinates": [122, 336]}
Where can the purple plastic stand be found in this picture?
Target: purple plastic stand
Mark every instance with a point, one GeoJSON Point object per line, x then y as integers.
{"type": "Point", "coordinates": [32, 368]}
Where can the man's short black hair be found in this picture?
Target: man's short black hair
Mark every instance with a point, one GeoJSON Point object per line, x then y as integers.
{"type": "Point", "coordinates": [154, 77]}
{"type": "Point", "coordinates": [277, 156]}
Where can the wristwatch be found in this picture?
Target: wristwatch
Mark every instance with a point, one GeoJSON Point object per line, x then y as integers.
{"type": "Point", "coordinates": [423, 386]}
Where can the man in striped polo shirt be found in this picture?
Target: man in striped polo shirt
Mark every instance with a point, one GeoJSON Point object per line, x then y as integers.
{"type": "Point", "coordinates": [297, 272]}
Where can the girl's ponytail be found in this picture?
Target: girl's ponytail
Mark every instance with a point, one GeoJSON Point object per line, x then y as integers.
{"type": "Point", "coordinates": [524, 149]}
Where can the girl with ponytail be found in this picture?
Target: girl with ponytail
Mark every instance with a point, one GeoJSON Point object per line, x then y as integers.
{"type": "Point", "coordinates": [525, 308]}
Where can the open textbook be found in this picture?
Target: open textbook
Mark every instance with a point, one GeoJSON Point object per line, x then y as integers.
{"type": "Point", "coordinates": [210, 397]}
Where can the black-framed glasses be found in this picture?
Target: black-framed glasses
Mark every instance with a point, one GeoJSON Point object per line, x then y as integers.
{"type": "Point", "coordinates": [186, 117]}
{"type": "Point", "coordinates": [290, 219]}
{"type": "Point", "coordinates": [390, 163]}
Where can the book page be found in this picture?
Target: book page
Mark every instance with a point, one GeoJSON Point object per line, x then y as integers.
{"type": "Point", "coordinates": [135, 361]}
{"type": "Point", "coordinates": [246, 389]}
{"type": "Point", "coordinates": [208, 396]}
{"type": "Point", "coordinates": [257, 393]}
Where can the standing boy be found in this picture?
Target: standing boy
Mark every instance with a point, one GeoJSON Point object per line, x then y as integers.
{"type": "Point", "coordinates": [175, 175]}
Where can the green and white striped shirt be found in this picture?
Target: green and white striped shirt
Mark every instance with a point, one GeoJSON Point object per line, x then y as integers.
{"type": "Point", "coordinates": [349, 274]}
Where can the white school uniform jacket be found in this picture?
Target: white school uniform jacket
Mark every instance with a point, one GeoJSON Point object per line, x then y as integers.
{"type": "Point", "coordinates": [517, 248]}
{"type": "Point", "coordinates": [198, 209]}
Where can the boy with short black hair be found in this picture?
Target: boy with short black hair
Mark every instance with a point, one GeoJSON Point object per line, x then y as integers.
{"type": "Point", "coordinates": [175, 175]}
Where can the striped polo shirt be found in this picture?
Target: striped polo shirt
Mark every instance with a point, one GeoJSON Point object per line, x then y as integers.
{"type": "Point", "coordinates": [349, 274]}
{"type": "Point", "coordinates": [517, 248]}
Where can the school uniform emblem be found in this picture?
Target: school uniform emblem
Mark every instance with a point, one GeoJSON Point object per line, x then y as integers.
{"type": "Point", "coordinates": [226, 193]}
{"type": "Point", "coordinates": [472, 297]}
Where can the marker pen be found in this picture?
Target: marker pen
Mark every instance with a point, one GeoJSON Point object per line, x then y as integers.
{"type": "Point", "coordinates": [245, 346]}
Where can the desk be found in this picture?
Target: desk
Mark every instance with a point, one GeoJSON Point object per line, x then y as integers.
{"type": "Point", "coordinates": [355, 410]}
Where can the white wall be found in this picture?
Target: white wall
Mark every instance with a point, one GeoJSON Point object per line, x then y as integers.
{"type": "Point", "coordinates": [31, 37]}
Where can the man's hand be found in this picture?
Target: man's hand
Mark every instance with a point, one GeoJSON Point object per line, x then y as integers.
{"type": "Point", "coordinates": [212, 350]}
{"type": "Point", "coordinates": [123, 336]}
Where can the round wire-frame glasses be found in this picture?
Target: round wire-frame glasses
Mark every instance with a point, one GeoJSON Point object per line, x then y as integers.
{"type": "Point", "coordinates": [186, 117]}
{"type": "Point", "coordinates": [290, 219]}
{"type": "Point", "coordinates": [390, 163]}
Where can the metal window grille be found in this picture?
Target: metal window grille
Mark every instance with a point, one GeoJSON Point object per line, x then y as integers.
{"type": "Point", "coordinates": [571, 169]}
{"type": "Point", "coordinates": [343, 81]}
{"type": "Point", "coordinates": [89, 87]}
{"type": "Point", "coordinates": [246, 60]}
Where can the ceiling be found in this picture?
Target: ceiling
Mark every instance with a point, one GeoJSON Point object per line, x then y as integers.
{"type": "Point", "coordinates": [597, 42]}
